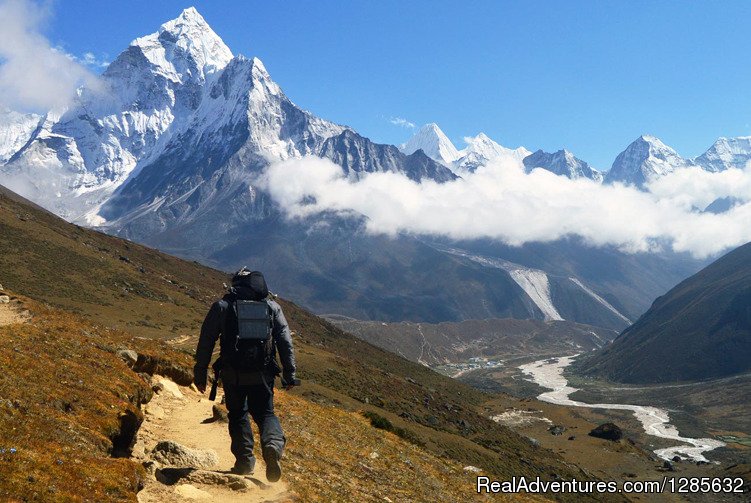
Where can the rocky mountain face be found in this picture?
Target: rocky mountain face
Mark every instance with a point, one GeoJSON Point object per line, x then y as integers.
{"type": "Point", "coordinates": [562, 163]}
{"type": "Point", "coordinates": [358, 156]}
{"type": "Point", "coordinates": [645, 159]}
{"type": "Point", "coordinates": [701, 329]}
{"type": "Point", "coordinates": [726, 153]}
{"type": "Point", "coordinates": [166, 153]}
{"type": "Point", "coordinates": [15, 130]}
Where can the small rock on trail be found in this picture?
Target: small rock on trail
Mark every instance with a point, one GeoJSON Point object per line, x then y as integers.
{"type": "Point", "coordinates": [173, 454]}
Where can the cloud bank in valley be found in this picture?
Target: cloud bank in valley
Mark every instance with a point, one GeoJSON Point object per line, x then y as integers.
{"type": "Point", "coordinates": [34, 75]}
{"type": "Point", "coordinates": [501, 201]}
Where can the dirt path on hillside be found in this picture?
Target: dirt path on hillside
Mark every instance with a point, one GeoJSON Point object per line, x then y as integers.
{"type": "Point", "coordinates": [11, 311]}
{"type": "Point", "coordinates": [184, 416]}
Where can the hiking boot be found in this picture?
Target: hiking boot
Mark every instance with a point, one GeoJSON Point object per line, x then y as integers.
{"type": "Point", "coordinates": [273, 468]}
{"type": "Point", "coordinates": [243, 469]}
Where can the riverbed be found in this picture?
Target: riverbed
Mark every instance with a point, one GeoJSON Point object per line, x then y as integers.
{"type": "Point", "coordinates": [548, 374]}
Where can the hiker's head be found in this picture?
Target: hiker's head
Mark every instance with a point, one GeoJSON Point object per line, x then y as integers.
{"type": "Point", "coordinates": [250, 284]}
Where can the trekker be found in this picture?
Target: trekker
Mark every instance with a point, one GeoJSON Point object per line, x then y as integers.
{"type": "Point", "coordinates": [251, 328]}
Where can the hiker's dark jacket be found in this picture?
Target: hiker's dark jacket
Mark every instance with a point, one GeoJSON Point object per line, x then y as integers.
{"type": "Point", "coordinates": [217, 326]}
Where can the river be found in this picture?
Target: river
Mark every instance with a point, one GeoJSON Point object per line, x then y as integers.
{"type": "Point", "coordinates": [548, 374]}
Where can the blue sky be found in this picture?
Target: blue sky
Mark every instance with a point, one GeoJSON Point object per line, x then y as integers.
{"type": "Point", "coordinates": [589, 76]}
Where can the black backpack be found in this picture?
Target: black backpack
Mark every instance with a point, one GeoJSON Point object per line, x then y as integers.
{"type": "Point", "coordinates": [253, 346]}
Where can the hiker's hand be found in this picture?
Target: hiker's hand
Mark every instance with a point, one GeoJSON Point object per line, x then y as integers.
{"type": "Point", "coordinates": [200, 385]}
{"type": "Point", "coordinates": [288, 382]}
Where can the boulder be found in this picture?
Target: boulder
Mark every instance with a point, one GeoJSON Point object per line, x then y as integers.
{"type": "Point", "coordinates": [129, 356]}
{"type": "Point", "coordinates": [162, 384]}
{"type": "Point", "coordinates": [171, 453]}
{"type": "Point", "coordinates": [608, 431]}
{"type": "Point", "coordinates": [556, 430]}
{"type": "Point", "coordinates": [4, 299]}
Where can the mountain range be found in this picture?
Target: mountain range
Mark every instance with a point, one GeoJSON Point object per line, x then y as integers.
{"type": "Point", "coordinates": [644, 160]}
{"type": "Point", "coordinates": [166, 150]}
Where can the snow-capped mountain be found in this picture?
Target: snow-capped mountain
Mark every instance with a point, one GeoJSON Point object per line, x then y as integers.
{"type": "Point", "coordinates": [76, 159]}
{"type": "Point", "coordinates": [726, 153]}
{"type": "Point", "coordinates": [358, 155]}
{"type": "Point", "coordinates": [481, 149]}
{"type": "Point", "coordinates": [165, 151]}
{"type": "Point", "coordinates": [175, 108]}
{"type": "Point", "coordinates": [562, 163]}
{"type": "Point", "coordinates": [431, 140]}
{"type": "Point", "coordinates": [645, 159]}
{"type": "Point", "coordinates": [15, 130]}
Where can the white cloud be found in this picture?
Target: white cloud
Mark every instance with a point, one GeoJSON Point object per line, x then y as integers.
{"type": "Point", "coordinates": [33, 74]}
{"type": "Point", "coordinates": [88, 59]}
{"type": "Point", "coordinates": [501, 201]}
{"type": "Point", "coordinates": [398, 121]}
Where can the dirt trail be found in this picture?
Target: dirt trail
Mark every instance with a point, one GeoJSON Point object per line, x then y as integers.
{"type": "Point", "coordinates": [184, 416]}
{"type": "Point", "coordinates": [11, 311]}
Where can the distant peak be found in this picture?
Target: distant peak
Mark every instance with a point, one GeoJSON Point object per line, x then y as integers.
{"type": "Point", "coordinates": [433, 142]}
{"type": "Point", "coordinates": [258, 64]}
{"type": "Point", "coordinates": [483, 138]}
{"type": "Point", "coordinates": [191, 13]}
{"type": "Point", "coordinates": [652, 140]}
{"type": "Point", "coordinates": [188, 37]}
{"type": "Point", "coordinates": [189, 18]}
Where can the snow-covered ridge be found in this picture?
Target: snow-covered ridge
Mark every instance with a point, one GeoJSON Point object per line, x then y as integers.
{"type": "Point", "coordinates": [726, 153]}
{"type": "Point", "coordinates": [562, 163]}
{"type": "Point", "coordinates": [431, 140]}
{"type": "Point", "coordinates": [645, 159]}
{"type": "Point", "coordinates": [534, 282]}
{"type": "Point", "coordinates": [190, 35]}
{"type": "Point", "coordinates": [599, 299]}
{"type": "Point", "coordinates": [481, 150]}
{"type": "Point", "coordinates": [15, 130]}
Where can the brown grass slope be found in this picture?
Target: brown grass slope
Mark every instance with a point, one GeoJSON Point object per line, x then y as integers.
{"type": "Point", "coordinates": [701, 329]}
{"type": "Point", "coordinates": [139, 292]}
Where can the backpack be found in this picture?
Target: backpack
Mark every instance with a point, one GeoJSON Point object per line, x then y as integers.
{"type": "Point", "coordinates": [253, 346]}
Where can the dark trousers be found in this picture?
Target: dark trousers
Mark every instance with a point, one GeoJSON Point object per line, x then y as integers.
{"type": "Point", "coordinates": [256, 400]}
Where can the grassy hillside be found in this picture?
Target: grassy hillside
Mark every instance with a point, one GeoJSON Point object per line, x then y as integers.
{"type": "Point", "coordinates": [130, 296]}
{"type": "Point", "coordinates": [701, 329]}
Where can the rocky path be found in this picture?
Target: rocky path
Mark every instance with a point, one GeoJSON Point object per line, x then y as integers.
{"type": "Point", "coordinates": [192, 457]}
{"type": "Point", "coordinates": [11, 310]}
